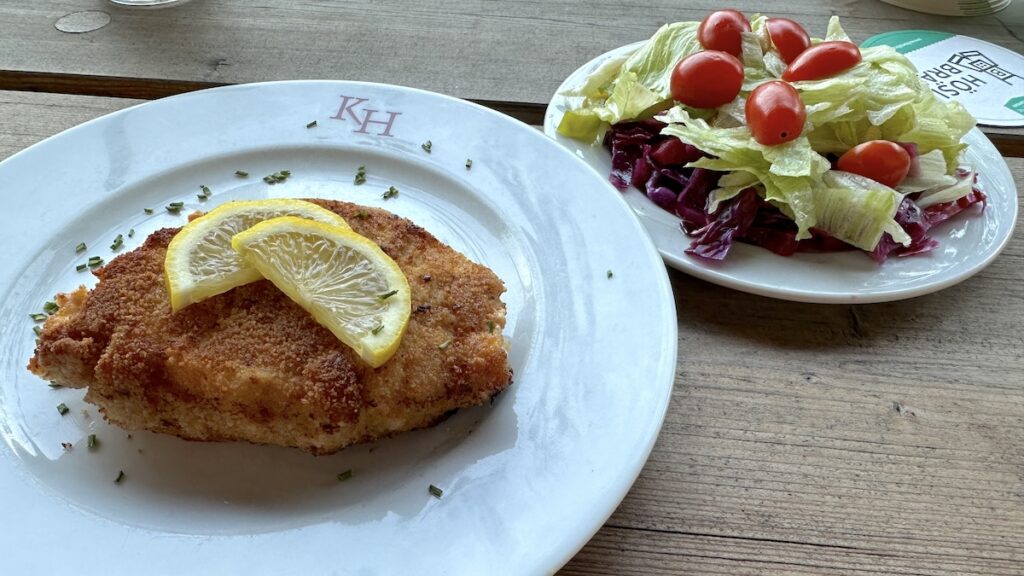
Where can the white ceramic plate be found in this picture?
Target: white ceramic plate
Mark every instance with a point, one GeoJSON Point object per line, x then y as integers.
{"type": "Point", "coordinates": [526, 480]}
{"type": "Point", "coordinates": [968, 242]}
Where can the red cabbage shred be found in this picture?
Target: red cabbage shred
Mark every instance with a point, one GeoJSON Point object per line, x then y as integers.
{"type": "Point", "coordinates": [654, 164]}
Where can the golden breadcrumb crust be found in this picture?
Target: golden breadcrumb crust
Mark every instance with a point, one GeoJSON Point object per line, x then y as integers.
{"type": "Point", "coordinates": [252, 365]}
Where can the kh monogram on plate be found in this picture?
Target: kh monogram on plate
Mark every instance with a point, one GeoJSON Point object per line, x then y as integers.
{"type": "Point", "coordinates": [353, 109]}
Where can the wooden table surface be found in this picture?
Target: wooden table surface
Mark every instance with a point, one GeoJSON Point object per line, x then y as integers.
{"type": "Point", "coordinates": [801, 439]}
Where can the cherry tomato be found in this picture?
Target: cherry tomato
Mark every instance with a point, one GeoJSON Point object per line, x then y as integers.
{"type": "Point", "coordinates": [822, 60]}
{"type": "Point", "coordinates": [775, 113]}
{"type": "Point", "coordinates": [882, 161]}
{"type": "Point", "coordinates": [789, 37]}
{"type": "Point", "coordinates": [722, 30]}
{"type": "Point", "coordinates": [707, 79]}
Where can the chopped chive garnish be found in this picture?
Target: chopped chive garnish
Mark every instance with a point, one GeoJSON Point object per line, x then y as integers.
{"type": "Point", "coordinates": [311, 124]}
{"type": "Point", "coordinates": [50, 307]}
{"type": "Point", "coordinates": [444, 344]}
{"type": "Point", "coordinates": [241, 173]}
{"type": "Point", "coordinates": [387, 295]}
{"type": "Point", "coordinates": [118, 242]}
{"type": "Point", "coordinates": [610, 274]}
{"type": "Point", "coordinates": [345, 475]}
{"type": "Point", "coordinates": [147, 210]}
{"type": "Point", "coordinates": [63, 408]}
{"type": "Point", "coordinates": [131, 232]}
{"type": "Point", "coordinates": [277, 177]}
{"type": "Point", "coordinates": [55, 385]}
{"type": "Point", "coordinates": [427, 146]}
{"type": "Point", "coordinates": [80, 247]}
{"type": "Point", "coordinates": [120, 477]}
{"type": "Point", "coordinates": [360, 175]}
{"type": "Point", "coordinates": [391, 193]}
{"type": "Point", "coordinates": [469, 163]}
{"type": "Point", "coordinates": [174, 207]}
{"type": "Point", "coordinates": [81, 267]}
{"type": "Point", "coordinates": [490, 326]}
{"type": "Point", "coordinates": [92, 442]}
{"type": "Point", "coordinates": [362, 214]}
{"type": "Point", "coordinates": [95, 261]}
{"type": "Point", "coordinates": [37, 330]}
{"type": "Point", "coordinates": [204, 192]}
{"type": "Point", "coordinates": [38, 317]}
{"type": "Point", "coordinates": [435, 491]}
{"type": "Point", "coordinates": [376, 330]}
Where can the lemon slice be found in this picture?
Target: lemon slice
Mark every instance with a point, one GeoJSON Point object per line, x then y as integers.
{"type": "Point", "coordinates": [200, 262]}
{"type": "Point", "coordinates": [344, 280]}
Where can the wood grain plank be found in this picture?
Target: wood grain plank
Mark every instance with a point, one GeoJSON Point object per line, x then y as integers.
{"type": "Point", "coordinates": [511, 53]}
{"type": "Point", "coordinates": [828, 440]}
{"type": "Point", "coordinates": [803, 439]}
{"type": "Point", "coordinates": [28, 118]}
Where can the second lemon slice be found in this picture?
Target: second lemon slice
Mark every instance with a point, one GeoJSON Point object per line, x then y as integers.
{"type": "Point", "coordinates": [344, 280]}
{"type": "Point", "coordinates": [200, 262]}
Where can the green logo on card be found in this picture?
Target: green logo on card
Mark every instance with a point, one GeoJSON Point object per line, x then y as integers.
{"type": "Point", "coordinates": [907, 40]}
{"type": "Point", "coordinates": [1016, 104]}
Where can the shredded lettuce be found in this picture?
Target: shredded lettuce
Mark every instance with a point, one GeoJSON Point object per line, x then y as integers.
{"type": "Point", "coordinates": [786, 172]}
{"type": "Point", "coordinates": [857, 210]}
{"type": "Point", "coordinates": [630, 88]}
{"type": "Point", "coordinates": [927, 172]}
{"type": "Point", "coordinates": [962, 186]}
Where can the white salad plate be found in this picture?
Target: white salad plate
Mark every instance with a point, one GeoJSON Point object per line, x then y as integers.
{"type": "Point", "coordinates": [526, 481]}
{"type": "Point", "coordinates": [967, 243]}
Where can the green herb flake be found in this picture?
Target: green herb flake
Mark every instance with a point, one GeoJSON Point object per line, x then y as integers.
{"type": "Point", "coordinates": [37, 330]}
{"type": "Point", "coordinates": [147, 210]}
{"type": "Point", "coordinates": [54, 385]}
{"type": "Point", "coordinates": [435, 491]}
{"type": "Point", "coordinates": [175, 207]}
{"type": "Point", "coordinates": [610, 274]}
{"type": "Point", "coordinates": [81, 267]}
{"type": "Point", "coordinates": [92, 442]}
{"type": "Point", "coordinates": [50, 307]}
{"type": "Point", "coordinates": [277, 177]}
{"type": "Point", "coordinates": [362, 214]}
{"type": "Point", "coordinates": [390, 193]}
{"type": "Point", "coordinates": [63, 408]}
{"type": "Point", "coordinates": [376, 330]}
{"type": "Point", "coordinates": [204, 192]}
{"type": "Point", "coordinates": [490, 326]}
{"type": "Point", "coordinates": [120, 477]}
{"type": "Point", "coordinates": [360, 175]}
{"type": "Point", "coordinates": [81, 247]}
{"type": "Point", "coordinates": [131, 232]}
{"type": "Point", "coordinates": [445, 344]}
{"type": "Point", "coordinates": [38, 317]}
{"type": "Point", "coordinates": [469, 163]}
{"type": "Point", "coordinates": [118, 242]}
{"type": "Point", "coordinates": [241, 173]}
{"type": "Point", "coordinates": [345, 475]}
{"type": "Point", "coordinates": [311, 124]}
{"type": "Point", "coordinates": [427, 146]}
{"type": "Point", "coordinates": [387, 295]}
{"type": "Point", "coordinates": [95, 261]}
